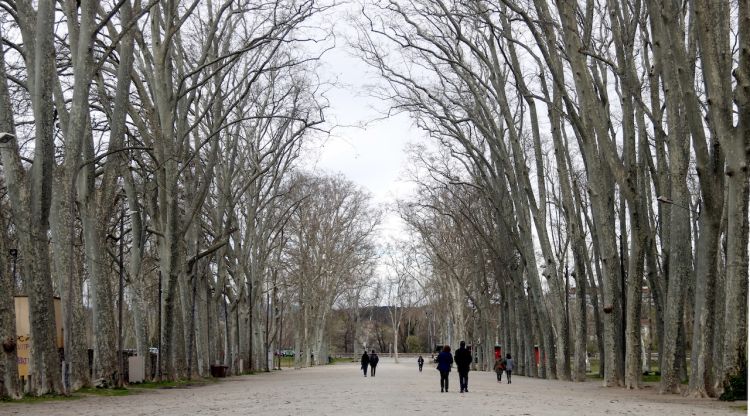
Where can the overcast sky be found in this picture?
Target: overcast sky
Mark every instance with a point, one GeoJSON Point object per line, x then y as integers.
{"type": "Point", "coordinates": [365, 147]}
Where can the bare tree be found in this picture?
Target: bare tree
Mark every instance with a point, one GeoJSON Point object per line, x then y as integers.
{"type": "Point", "coordinates": [30, 188]}
{"type": "Point", "coordinates": [330, 243]}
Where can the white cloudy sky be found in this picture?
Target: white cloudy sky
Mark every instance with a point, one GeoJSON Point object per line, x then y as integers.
{"type": "Point", "coordinates": [365, 147]}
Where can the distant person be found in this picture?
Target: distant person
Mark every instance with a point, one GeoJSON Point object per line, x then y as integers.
{"type": "Point", "coordinates": [499, 368]}
{"type": "Point", "coordinates": [373, 362]}
{"type": "Point", "coordinates": [509, 364]}
{"type": "Point", "coordinates": [445, 362]}
{"type": "Point", "coordinates": [365, 362]}
{"type": "Point", "coordinates": [463, 362]}
{"type": "Point", "coordinates": [420, 362]}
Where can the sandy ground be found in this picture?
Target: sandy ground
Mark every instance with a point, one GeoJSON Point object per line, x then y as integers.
{"type": "Point", "coordinates": [397, 389]}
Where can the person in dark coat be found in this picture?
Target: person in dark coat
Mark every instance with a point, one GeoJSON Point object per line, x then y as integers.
{"type": "Point", "coordinates": [445, 362]}
{"type": "Point", "coordinates": [420, 362]}
{"type": "Point", "coordinates": [500, 368]}
{"type": "Point", "coordinates": [373, 362]}
{"type": "Point", "coordinates": [463, 362]}
{"type": "Point", "coordinates": [365, 362]}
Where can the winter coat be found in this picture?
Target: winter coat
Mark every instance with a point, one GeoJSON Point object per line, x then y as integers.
{"type": "Point", "coordinates": [463, 359]}
{"type": "Point", "coordinates": [445, 361]}
{"type": "Point", "coordinates": [374, 359]}
{"type": "Point", "coordinates": [365, 360]}
{"type": "Point", "coordinates": [500, 365]}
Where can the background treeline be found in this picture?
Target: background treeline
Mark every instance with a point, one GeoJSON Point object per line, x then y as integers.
{"type": "Point", "coordinates": [150, 179]}
{"type": "Point", "coordinates": [590, 155]}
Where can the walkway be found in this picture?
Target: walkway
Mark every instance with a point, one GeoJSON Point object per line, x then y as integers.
{"type": "Point", "coordinates": [397, 389]}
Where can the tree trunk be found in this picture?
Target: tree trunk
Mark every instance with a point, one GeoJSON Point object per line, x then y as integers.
{"type": "Point", "coordinates": [716, 58]}
{"type": "Point", "coordinates": [62, 226]}
{"type": "Point", "coordinates": [680, 262]}
{"type": "Point", "coordinates": [30, 201]}
{"type": "Point", "coordinates": [9, 386]}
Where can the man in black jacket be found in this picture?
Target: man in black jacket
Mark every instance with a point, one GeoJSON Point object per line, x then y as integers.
{"type": "Point", "coordinates": [365, 362]}
{"type": "Point", "coordinates": [462, 358]}
{"type": "Point", "coordinates": [373, 362]}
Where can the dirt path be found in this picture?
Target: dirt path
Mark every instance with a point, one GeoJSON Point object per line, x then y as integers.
{"type": "Point", "coordinates": [397, 389]}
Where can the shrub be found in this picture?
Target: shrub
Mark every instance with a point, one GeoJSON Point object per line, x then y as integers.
{"type": "Point", "coordinates": [414, 344]}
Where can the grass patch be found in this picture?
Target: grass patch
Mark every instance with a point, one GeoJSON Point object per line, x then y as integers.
{"type": "Point", "coordinates": [288, 362]}
{"type": "Point", "coordinates": [40, 399]}
{"type": "Point", "coordinates": [651, 378]}
{"type": "Point", "coordinates": [114, 392]}
{"type": "Point", "coordinates": [742, 407]}
{"type": "Point", "coordinates": [92, 391]}
{"type": "Point", "coordinates": [168, 384]}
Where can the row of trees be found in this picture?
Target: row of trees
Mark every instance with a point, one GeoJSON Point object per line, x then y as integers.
{"type": "Point", "coordinates": [601, 146]}
{"type": "Point", "coordinates": [170, 131]}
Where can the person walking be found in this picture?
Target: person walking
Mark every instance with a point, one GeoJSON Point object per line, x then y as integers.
{"type": "Point", "coordinates": [365, 362]}
{"type": "Point", "coordinates": [420, 362]}
{"type": "Point", "coordinates": [445, 362]}
{"type": "Point", "coordinates": [373, 362]}
{"type": "Point", "coordinates": [499, 368]}
{"type": "Point", "coordinates": [463, 363]}
{"type": "Point", "coordinates": [509, 364]}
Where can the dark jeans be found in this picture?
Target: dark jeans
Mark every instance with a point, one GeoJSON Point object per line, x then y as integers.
{"type": "Point", "coordinates": [364, 369]}
{"type": "Point", "coordinates": [444, 380]}
{"type": "Point", "coordinates": [372, 370]}
{"type": "Point", "coordinates": [420, 368]}
{"type": "Point", "coordinates": [463, 379]}
{"type": "Point", "coordinates": [507, 375]}
{"type": "Point", "coordinates": [500, 375]}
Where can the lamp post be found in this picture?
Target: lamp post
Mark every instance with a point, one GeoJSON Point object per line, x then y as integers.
{"type": "Point", "coordinates": [158, 351]}
{"type": "Point", "coordinates": [121, 379]}
{"type": "Point", "coordinates": [664, 200]}
{"type": "Point", "coordinates": [209, 297]}
{"type": "Point", "coordinates": [14, 255]}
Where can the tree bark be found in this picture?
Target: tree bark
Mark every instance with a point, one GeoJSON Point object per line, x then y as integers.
{"type": "Point", "coordinates": [9, 386]}
{"type": "Point", "coordinates": [31, 193]}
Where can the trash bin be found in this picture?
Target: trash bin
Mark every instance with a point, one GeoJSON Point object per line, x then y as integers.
{"type": "Point", "coordinates": [219, 370]}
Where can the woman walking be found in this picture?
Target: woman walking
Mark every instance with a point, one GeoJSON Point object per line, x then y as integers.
{"type": "Point", "coordinates": [500, 368]}
{"type": "Point", "coordinates": [508, 366]}
{"type": "Point", "coordinates": [445, 362]}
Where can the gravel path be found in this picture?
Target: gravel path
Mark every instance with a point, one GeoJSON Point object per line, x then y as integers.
{"type": "Point", "coordinates": [397, 389]}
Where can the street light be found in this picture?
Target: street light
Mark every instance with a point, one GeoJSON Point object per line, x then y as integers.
{"type": "Point", "coordinates": [664, 200]}
{"type": "Point", "coordinates": [14, 255]}
{"type": "Point", "coordinates": [121, 293]}
{"type": "Point", "coordinates": [6, 137]}
{"type": "Point", "coordinates": [120, 364]}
